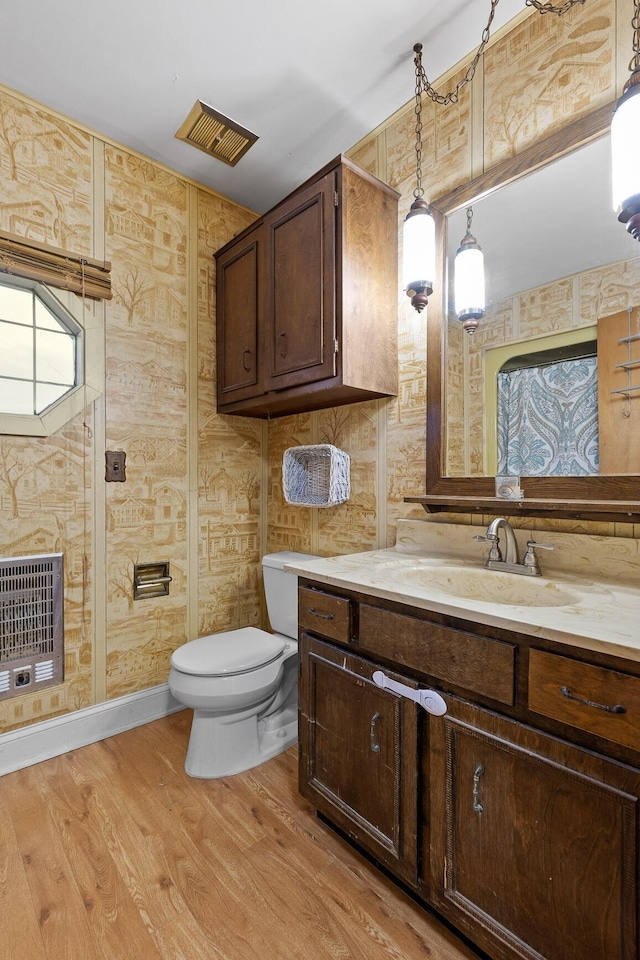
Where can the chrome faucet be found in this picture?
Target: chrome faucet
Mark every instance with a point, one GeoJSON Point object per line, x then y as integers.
{"type": "Point", "coordinates": [510, 562]}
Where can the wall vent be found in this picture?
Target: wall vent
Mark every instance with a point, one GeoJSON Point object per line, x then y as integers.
{"type": "Point", "coordinates": [215, 134]}
{"type": "Point", "coordinates": [31, 624]}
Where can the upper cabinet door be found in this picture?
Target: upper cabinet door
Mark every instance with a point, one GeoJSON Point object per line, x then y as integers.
{"type": "Point", "coordinates": [301, 287]}
{"type": "Point", "coordinates": [238, 308]}
{"type": "Point", "coordinates": [307, 311]}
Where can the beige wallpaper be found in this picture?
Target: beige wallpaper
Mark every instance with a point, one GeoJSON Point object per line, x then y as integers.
{"type": "Point", "coordinates": [204, 492]}
{"type": "Point", "coordinates": [193, 482]}
{"type": "Point", "coordinates": [46, 486]}
{"type": "Point", "coordinates": [541, 74]}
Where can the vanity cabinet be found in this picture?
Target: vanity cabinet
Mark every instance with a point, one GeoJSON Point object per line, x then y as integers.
{"type": "Point", "coordinates": [533, 841]}
{"type": "Point", "coordinates": [515, 816]}
{"type": "Point", "coordinates": [359, 754]}
{"type": "Point", "coordinates": [307, 299]}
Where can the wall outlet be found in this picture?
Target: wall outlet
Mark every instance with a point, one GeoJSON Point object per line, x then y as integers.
{"type": "Point", "coordinates": [115, 466]}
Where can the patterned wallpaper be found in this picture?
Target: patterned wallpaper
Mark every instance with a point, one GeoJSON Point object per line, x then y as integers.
{"type": "Point", "coordinates": [204, 491]}
{"type": "Point", "coordinates": [534, 78]}
{"type": "Point", "coordinates": [193, 479]}
{"type": "Point", "coordinates": [47, 485]}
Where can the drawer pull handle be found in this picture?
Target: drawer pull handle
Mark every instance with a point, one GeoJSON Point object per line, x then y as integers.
{"type": "Point", "coordinates": [323, 616]}
{"type": "Point", "coordinates": [429, 699]}
{"type": "Point", "coordinates": [477, 806]}
{"type": "Point", "coordinates": [618, 708]}
{"type": "Point", "coordinates": [283, 345]}
{"type": "Point", "coordinates": [372, 733]}
{"type": "Point", "coordinates": [246, 359]}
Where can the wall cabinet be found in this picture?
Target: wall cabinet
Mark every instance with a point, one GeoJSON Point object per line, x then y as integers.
{"type": "Point", "coordinates": [307, 299]}
{"type": "Point", "coordinates": [517, 811]}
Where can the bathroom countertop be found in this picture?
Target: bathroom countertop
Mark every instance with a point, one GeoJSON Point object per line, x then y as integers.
{"type": "Point", "coordinates": [589, 596]}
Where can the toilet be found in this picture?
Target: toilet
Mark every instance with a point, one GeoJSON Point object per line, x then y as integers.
{"type": "Point", "coordinates": [243, 684]}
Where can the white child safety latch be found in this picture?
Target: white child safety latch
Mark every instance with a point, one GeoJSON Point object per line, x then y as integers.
{"type": "Point", "coordinates": [429, 699]}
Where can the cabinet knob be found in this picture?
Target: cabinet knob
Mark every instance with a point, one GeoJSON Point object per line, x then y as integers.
{"type": "Point", "coordinates": [246, 359]}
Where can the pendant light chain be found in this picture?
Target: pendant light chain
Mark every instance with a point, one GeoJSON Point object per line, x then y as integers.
{"type": "Point", "coordinates": [634, 63]}
{"type": "Point", "coordinates": [454, 95]}
{"type": "Point", "coordinates": [419, 190]}
{"type": "Point", "coordinates": [549, 7]}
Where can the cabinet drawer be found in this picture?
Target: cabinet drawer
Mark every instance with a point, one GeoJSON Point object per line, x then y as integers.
{"type": "Point", "coordinates": [479, 664]}
{"type": "Point", "coordinates": [603, 702]}
{"type": "Point", "coordinates": [324, 614]}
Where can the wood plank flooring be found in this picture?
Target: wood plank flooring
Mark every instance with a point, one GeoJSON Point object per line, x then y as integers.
{"type": "Point", "coordinates": [112, 853]}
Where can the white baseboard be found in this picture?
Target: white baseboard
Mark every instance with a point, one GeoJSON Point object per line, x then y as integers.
{"type": "Point", "coordinates": [50, 738]}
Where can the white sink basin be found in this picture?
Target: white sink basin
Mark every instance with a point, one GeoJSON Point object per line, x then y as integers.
{"type": "Point", "coordinates": [489, 586]}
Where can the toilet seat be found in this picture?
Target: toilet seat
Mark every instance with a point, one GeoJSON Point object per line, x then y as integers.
{"type": "Point", "coordinates": [228, 654]}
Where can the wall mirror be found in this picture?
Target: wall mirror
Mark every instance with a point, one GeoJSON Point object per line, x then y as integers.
{"type": "Point", "coordinates": [561, 272]}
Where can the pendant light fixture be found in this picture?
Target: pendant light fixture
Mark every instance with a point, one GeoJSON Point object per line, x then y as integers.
{"type": "Point", "coordinates": [419, 231]}
{"type": "Point", "coordinates": [625, 141]}
{"type": "Point", "coordinates": [468, 279]}
{"type": "Point", "coordinates": [419, 234]}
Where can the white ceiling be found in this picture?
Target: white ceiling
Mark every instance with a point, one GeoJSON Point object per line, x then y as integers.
{"type": "Point", "coordinates": [310, 79]}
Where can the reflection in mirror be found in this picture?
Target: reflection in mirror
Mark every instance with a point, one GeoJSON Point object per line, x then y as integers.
{"type": "Point", "coordinates": [547, 418]}
{"type": "Point", "coordinates": [560, 273]}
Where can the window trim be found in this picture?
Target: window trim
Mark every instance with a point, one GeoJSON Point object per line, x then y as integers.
{"type": "Point", "coordinates": [89, 363]}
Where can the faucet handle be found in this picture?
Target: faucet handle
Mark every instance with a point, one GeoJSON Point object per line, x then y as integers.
{"type": "Point", "coordinates": [492, 538]}
{"type": "Point", "coordinates": [531, 544]}
{"type": "Point", "coordinates": [530, 559]}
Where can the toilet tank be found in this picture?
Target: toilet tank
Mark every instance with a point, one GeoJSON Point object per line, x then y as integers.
{"type": "Point", "coordinates": [281, 591]}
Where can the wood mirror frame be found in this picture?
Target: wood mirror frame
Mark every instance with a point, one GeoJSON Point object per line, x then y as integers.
{"type": "Point", "coordinates": [592, 497]}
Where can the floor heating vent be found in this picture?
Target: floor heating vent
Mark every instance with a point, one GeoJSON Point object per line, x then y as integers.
{"type": "Point", "coordinates": [31, 624]}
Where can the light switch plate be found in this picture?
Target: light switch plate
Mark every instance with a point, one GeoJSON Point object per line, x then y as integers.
{"type": "Point", "coordinates": [115, 466]}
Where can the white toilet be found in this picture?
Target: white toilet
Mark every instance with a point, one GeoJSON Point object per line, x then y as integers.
{"type": "Point", "coordinates": [243, 684]}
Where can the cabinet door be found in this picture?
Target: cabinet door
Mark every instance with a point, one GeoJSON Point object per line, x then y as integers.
{"type": "Point", "coordinates": [238, 310]}
{"type": "Point", "coordinates": [358, 754]}
{"type": "Point", "coordinates": [301, 287]}
{"type": "Point", "coordinates": [533, 841]}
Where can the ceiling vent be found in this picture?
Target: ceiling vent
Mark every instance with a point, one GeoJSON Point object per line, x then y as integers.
{"type": "Point", "coordinates": [215, 134]}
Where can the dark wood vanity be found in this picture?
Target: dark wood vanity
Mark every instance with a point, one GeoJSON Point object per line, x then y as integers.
{"type": "Point", "coordinates": [515, 815]}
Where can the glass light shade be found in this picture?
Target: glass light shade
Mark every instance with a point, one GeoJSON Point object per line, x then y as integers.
{"type": "Point", "coordinates": [469, 290]}
{"type": "Point", "coordinates": [625, 152]}
{"type": "Point", "coordinates": [419, 253]}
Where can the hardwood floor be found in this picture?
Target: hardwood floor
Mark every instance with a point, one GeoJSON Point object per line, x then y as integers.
{"type": "Point", "coordinates": [112, 852]}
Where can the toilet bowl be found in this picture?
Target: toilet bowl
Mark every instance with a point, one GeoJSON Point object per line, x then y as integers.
{"type": "Point", "coordinates": [243, 684]}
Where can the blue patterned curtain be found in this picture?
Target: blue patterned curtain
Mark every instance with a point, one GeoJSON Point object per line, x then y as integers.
{"type": "Point", "coordinates": [548, 420]}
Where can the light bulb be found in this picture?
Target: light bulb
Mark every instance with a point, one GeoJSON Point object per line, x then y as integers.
{"type": "Point", "coordinates": [419, 253]}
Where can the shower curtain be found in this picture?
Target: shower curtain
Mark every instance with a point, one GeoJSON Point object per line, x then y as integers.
{"type": "Point", "coordinates": [548, 419]}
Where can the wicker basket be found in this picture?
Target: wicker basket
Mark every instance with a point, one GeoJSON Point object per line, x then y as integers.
{"type": "Point", "coordinates": [316, 475]}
